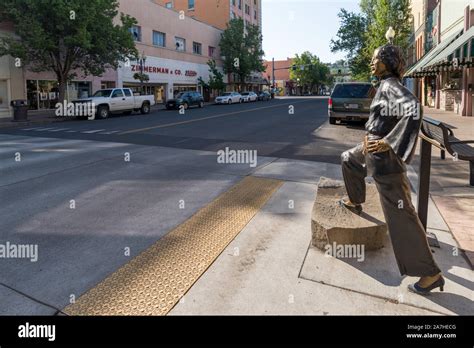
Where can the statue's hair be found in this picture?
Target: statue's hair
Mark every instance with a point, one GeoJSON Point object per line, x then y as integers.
{"type": "Point", "coordinates": [392, 57]}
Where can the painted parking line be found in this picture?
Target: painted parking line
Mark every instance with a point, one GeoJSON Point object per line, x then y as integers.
{"type": "Point", "coordinates": [209, 117]}
{"type": "Point", "coordinates": [154, 281]}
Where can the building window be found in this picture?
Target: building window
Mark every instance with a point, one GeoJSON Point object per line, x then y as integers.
{"type": "Point", "coordinates": [240, 4]}
{"type": "Point", "coordinates": [180, 44]}
{"type": "Point", "coordinates": [159, 39]}
{"type": "Point", "coordinates": [190, 4]}
{"type": "Point", "coordinates": [212, 51]}
{"type": "Point", "coordinates": [232, 15]}
{"type": "Point", "coordinates": [233, 2]}
{"type": "Point", "coordinates": [136, 33]}
{"type": "Point", "coordinates": [197, 48]}
{"type": "Point", "coordinates": [169, 5]}
{"type": "Point", "coordinates": [247, 9]}
{"type": "Point", "coordinates": [255, 14]}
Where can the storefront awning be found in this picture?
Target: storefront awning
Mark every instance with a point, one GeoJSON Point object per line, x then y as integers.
{"type": "Point", "coordinates": [431, 55]}
{"type": "Point", "coordinates": [458, 49]}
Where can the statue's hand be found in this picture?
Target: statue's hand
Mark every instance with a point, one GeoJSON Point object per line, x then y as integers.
{"type": "Point", "coordinates": [376, 146]}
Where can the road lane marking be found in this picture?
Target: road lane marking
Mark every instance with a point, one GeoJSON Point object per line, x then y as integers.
{"type": "Point", "coordinates": [94, 131]}
{"type": "Point", "coordinates": [58, 130]}
{"type": "Point", "coordinates": [154, 281]}
{"type": "Point", "coordinates": [112, 132]}
{"type": "Point", "coordinates": [207, 118]}
{"type": "Point", "coordinates": [43, 129]}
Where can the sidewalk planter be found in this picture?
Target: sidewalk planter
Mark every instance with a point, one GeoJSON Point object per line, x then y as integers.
{"type": "Point", "coordinates": [20, 110]}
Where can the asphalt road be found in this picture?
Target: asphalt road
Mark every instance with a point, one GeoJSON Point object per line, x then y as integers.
{"type": "Point", "coordinates": [294, 128]}
{"type": "Point", "coordinates": [68, 189]}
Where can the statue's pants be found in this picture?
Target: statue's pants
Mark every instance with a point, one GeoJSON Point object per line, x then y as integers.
{"type": "Point", "coordinates": [410, 245]}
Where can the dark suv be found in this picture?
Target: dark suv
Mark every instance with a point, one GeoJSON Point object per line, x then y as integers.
{"type": "Point", "coordinates": [186, 99]}
{"type": "Point", "coordinates": [350, 101]}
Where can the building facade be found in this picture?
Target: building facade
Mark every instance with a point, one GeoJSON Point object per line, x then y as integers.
{"type": "Point", "coordinates": [441, 72]}
{"type": "Point", "coordinates": [284, 85]}
{"type": "Point", "coordinates": [218, 12]}
{"type": "Point", "coordinates": [176, 51]}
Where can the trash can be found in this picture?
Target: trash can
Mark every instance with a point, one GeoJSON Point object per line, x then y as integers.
{"type": "Point", "coordinates": [20, 110]}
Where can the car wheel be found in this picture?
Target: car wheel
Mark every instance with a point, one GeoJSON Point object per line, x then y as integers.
{"type": "Point", "coordinates": [201, 104]}
{"type": "Point", "coordinates": [332, 120]}
{"type": "Point", "coordinates": [103, 112]}
{"type": "Point", "coordinates": [185, 106]}
{"type": "Point", "coordinates": [229, 101]}
{"type": "Point", "coordinates": [145, 109]}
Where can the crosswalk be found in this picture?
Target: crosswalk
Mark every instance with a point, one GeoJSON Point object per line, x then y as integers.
{"type": "Point", "coordinates": [70, 131]}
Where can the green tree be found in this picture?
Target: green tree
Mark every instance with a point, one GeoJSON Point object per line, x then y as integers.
{"type": "Point", "coordinates": [216, 78]}
{"type": "Point", "coordinates": [360, 34]}
{"type": "Point", "coordinates": [241, 46]}
{"type": "Point", "coordinates": [351, 39]}
{"type": "Point", "coordinates": [389, 13]}
{"type": "Point", "coordinates": [66, 36]}
{"type": "Point", "coordinates": [309, 71]}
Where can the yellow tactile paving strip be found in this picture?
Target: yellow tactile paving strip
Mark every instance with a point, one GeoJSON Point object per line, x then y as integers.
{"type": "Point", "coordinates": [154, 281]}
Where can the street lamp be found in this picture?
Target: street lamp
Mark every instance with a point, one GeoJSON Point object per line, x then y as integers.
{"type": "Point", "coordinates": [390, 34]}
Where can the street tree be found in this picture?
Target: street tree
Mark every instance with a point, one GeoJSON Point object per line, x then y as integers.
{"type": "Point", "coordinates": [241, 47]}
{"type": "Point", "coordinates": [216, 78]}
{"type": "Point", "coordinates": [309, 71]}
{"type": "Point", "coordinates": [351, 39]}
{"type": "Point", "coordinates": [361, 33]}
{"type": "Point", "coordinates": [67, 37]}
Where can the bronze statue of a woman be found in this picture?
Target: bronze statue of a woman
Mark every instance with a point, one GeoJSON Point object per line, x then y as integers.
{"type": "Point", "coordinates": [392, 131]}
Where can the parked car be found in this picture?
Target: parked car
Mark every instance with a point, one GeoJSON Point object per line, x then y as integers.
{"type": "Point", "coordinates": [264, 96]}
{"type": "Point", "coordinates": [350, 101]}
{"type": "Point", "coordinates": [110, 101]}
{"type": "Point", "coordinates": [249, 96]}
{"type": "Point", "coordinates": [185, 99]}
{"type": "Point", "coordinates": [229, 98]}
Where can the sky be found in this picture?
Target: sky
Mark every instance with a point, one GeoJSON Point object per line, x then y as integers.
{"type": "Point", "coordinates": [295, 26]}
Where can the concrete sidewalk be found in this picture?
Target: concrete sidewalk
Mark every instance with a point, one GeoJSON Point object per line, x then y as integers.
{"type": "Point", "coordinates": [271, 267]}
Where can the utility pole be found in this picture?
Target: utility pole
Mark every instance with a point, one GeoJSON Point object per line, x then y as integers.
{"type": "Point", "coordinates": [273, 72]}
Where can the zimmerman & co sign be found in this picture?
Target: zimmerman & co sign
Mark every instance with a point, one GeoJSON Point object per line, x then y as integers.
{"type": "Point", "coordinates": [160, 70]}
{"type": "Point", "coordinates": [165, 71]}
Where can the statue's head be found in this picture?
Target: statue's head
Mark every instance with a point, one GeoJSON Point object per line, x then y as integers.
{"type": "Point", "coordinates": [388, 60]}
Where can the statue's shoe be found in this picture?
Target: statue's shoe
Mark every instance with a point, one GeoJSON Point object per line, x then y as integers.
{"type": "Point", "coordinates": [355, 208]}
{"type": "Point", "coordinates": [416, 288]}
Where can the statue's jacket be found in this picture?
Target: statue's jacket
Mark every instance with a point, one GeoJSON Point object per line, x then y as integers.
{"type": "Point", "coordinates": [395, 117]}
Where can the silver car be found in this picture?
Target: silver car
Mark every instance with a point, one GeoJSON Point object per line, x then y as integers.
{"type": "Point", "coordinates": [229, 98]}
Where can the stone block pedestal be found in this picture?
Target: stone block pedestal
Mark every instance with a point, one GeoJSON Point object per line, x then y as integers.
{"type": "Point", "coordinates": [332, 223]}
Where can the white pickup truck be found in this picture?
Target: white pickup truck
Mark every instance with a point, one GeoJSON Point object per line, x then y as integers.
{"type": "Point", "coordinates": [118, 100]}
